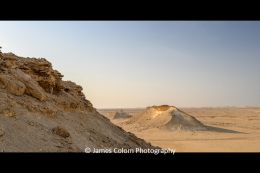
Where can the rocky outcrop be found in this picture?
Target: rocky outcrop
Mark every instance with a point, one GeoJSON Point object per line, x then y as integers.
{"type": "Point", "coordinates": [32, 87]}
{"type": "Point", "coordinates": [12, 85]}
{"type": "Point", "coordinates": [41, 112]}
{"type": "Point", "coordinates": [36, 78]}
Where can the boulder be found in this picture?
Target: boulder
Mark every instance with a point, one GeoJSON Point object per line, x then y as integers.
{"type": "Point", "coordinates": [32, 87]}
{"type": "Point", "coordinates": [13, 86]}
{"type": "Point", "coordinates": [61, 132]}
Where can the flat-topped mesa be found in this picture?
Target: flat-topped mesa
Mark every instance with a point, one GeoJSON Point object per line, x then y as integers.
{"type": "Point", "coordinates": [161, 107]}
{"type": "Point", "coordinates": [36, 77]}
{"type": "Point", "coordinates": [121, 115]}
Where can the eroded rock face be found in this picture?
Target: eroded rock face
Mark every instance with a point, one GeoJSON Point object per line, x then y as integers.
{"type": "Point", "coordinates": [36, 78]}
{"type": "Point", "coordinates": [32, 87]}
{"type": "Point", "coordinates": [41, 112]}
{"type": "Point", "coordinates": [12, 85]}
{"type": "Point", "coordinates": [41, 71]}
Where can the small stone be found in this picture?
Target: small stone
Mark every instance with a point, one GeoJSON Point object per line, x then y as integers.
{"type": "Point", "coordinates": [1, 132]}
{"type": "Point", "coordinates": [9, 113]}
{"type": "Point", "coordinates": [31, 123]}
{"type": "Point", "coordinates": [61, 132]}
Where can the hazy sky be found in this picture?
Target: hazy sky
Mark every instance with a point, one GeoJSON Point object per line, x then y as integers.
{"type": "Point", "coordinates": [141, 63]}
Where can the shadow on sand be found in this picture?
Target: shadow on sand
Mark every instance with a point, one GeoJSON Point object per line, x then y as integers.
{"type": "Point", "coordinates": [221, 130]}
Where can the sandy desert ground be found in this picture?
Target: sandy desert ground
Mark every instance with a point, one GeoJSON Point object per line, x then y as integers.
{"type": "Point", "coordinates": [244, 120]}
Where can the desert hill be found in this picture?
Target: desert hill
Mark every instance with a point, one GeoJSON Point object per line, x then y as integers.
{"type": "Point", "coordinates": [41, 112]}
{"type": "Point", "coordinates": [169, 118]}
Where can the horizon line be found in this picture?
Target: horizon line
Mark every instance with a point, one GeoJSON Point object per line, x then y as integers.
{"type": "Point", "coordinates": [183, 107]}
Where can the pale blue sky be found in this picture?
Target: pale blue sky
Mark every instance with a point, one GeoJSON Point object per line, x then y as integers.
{"type": "Point", "coordinates": [142, 63]}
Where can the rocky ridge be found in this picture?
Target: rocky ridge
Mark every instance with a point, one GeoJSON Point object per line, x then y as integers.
{"type": "Point", "coordinates": [41, 112]}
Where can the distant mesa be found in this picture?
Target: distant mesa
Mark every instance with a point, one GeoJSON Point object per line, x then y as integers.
{"type": "Point", "coordinates": [161, 107]}
{"type": "Point", "coordinates": [121, 115]}
{"type": "Point", "coordinates": [172, 119]}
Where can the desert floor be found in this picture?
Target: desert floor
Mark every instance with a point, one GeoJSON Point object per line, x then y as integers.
{"type": "Point", "coordinates": [244, 120]}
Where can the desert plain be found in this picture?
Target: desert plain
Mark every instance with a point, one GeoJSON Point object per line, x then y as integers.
{"type": "Point", "coordinates": [244, 121]}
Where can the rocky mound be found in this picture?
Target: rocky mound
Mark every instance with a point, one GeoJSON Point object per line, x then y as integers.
{"type": "Point", "coordinates": [121, 115]}
{"type": "Point", "coordinates": [41, 112]}
{"type": "Point", "coordinates": [170, 118]}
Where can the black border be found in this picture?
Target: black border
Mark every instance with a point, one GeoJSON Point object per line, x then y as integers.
{"type": "Point", "coordinates": [82, 162]}
{"type": "Point", "coordinates": [151, 10]}
{"type": "Point", "coordinates": [81, 158]}
{"type": "Point", "coordinates": [147, 11]}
